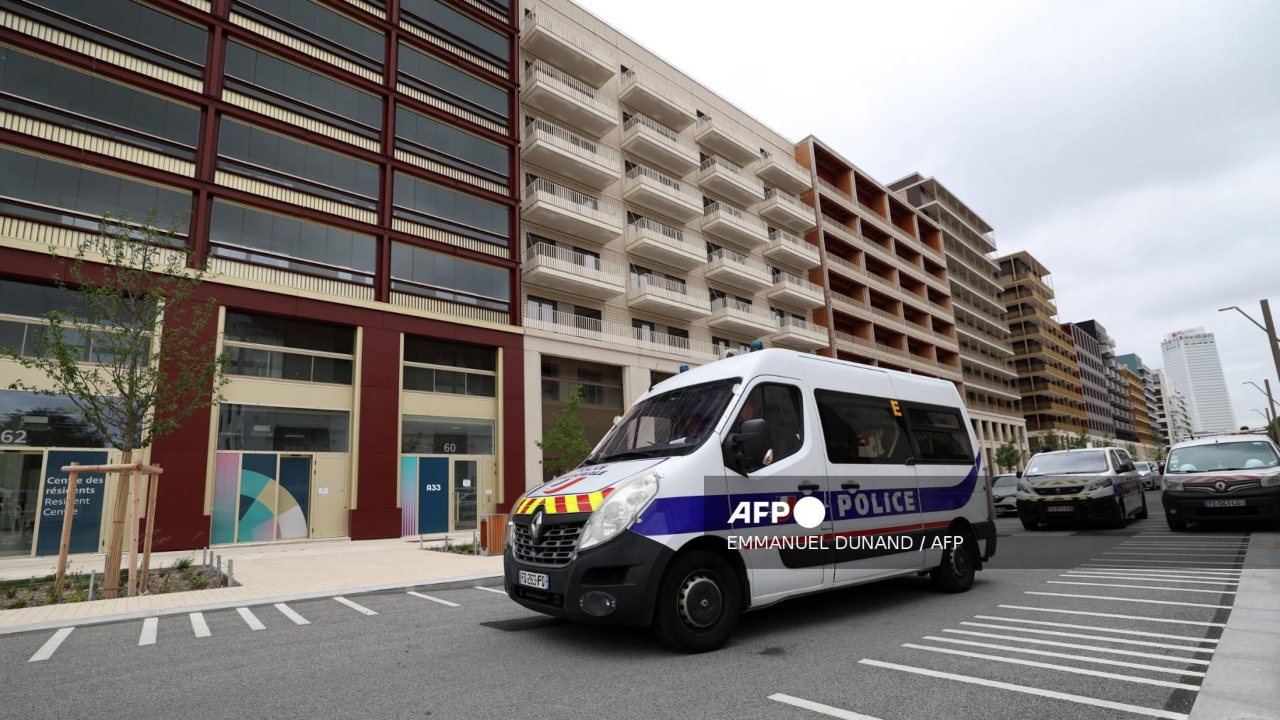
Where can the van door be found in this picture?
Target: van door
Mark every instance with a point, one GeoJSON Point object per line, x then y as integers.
{"type": "Point", "coordinates": [875, 500]}
{"type": "Point", "coordinates": [794, 468]}
{"type": "Point", "coordinates": [948, 471]}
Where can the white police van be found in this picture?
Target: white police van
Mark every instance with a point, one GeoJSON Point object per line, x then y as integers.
{"type": "Point", "coordinates": [751, 480]}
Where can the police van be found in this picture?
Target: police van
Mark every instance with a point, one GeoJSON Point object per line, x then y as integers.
{"type": "Point", "coordinates": [751, 480]}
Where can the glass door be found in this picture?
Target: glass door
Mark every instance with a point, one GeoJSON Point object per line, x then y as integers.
{"type": "Point", "coordinates": [19, 498]}
{"type": "Point", "coordinates": [466, 484]}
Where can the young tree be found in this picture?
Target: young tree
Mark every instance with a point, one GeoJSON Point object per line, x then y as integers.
{"type": "Point", "coordinates": [103, 354]}
{"type": "Point", "coordinates": [564, 445]}
{"type": "Point", "coordinates": [1081, 440]}
{"type": "Point", "coordinates": [1008, 456]}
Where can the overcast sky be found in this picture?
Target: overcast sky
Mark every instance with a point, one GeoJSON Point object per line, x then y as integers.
{"type": "Point", "coordinates": [1133, 147]}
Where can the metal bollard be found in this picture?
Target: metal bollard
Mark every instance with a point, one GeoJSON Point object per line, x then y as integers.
{"type": "Point", "coordinates": [92, 576]}
{"type": "Point", "coordinates": [231, 572]}
{"type": "Point", "coordinates": [204, 558]}
{"type": "Point", "coordinates": [217, 560]}
{"type": "Point", "coordinates": [475, 543]}
{"type": "Point", "coordinates": [421, 545]}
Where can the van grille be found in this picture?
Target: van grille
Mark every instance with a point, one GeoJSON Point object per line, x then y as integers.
{"type": "Point", "coordinates": [1065, 490]}
{"type": "Point", "coordinates": [555, 547]}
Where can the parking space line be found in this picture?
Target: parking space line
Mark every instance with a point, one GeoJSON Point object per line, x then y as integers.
{"type": "Point", "coordinates": [1078, 646]}
{"type": "Point", "coordinates": [199, 626]}
{"type": "Point", "coordinates": [51, 645]}
{"type": "Point", "coordinates": [1158, 563]}
{"type": "Point", "coordinates": [834, 712]}
{"type": "Point", "coordinates": [292, 615]}
{"type": "Point", "coordinates": [1141, 587]}
{"type": "Point", "coordinates": [1068, 656]}
{"type": "Point", "coordinates": [1080, 699]}
{"type": "Point", "coordinates": [1083, 636]}
{"type": "Point", "coordinates": [1150, 578]}
{"type": "Point", "coordinates": [1158, 554]}
{"type": "Point", "coordinates": [1061, 668]}
{"type": "Point", "coordinates": [1172, 621]}
{"type": "Point", "coordinates": [149, 627]}
{"type": "Point", "coordinates": [1125, 599]}
{"type": "Point", "coordinates": [250, 619]}
{"type": "Point", "coordinates": [1191, 572]}
{"type": "Point", "coordinates": [1095, 628]}
{"type": "Point", "coordinates": [433, 599]}
{"type": "Point", "coordinates": [492, 590]}
{"type": "Point", "coordinates": [355, 606]}
{"type": "Point", "coordinates": [1172, 543]}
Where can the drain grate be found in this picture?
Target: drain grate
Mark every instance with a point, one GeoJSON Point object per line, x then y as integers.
{"type": "Point", "coordinates": [522, 624]}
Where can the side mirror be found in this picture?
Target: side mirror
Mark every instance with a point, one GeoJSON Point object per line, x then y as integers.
{"type": "Point", "coordinates": [617, 419]}
{"type": "Point", "coordinates": [744, 451]}
{"type": "Point", "coordinates": [1019, 473]}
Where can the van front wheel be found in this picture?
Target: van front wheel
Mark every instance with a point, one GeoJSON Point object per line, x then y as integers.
{"type": "Point", "coordinates": [699, 602]}
{"type": "Point", "coordinates": [959, 564]}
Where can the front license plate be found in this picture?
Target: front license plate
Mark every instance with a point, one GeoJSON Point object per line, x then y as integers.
{"type": "Point", "coordinates": [1059, 508]}
{"type": "Point", "coordinates": [537, 581]}
{"type": "Point", "coordinates": [1224, 503]}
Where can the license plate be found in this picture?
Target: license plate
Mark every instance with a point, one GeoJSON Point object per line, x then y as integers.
{"type": "Point", "coordinates": [1059, 508]}
{"type": "Point", "coordinates": [1224, 503]}
{"type": "Point", "coordinates": [537, 581]}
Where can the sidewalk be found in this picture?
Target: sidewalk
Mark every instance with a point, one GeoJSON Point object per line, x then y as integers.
{"type": "Point", "coordinates": [263, 573]}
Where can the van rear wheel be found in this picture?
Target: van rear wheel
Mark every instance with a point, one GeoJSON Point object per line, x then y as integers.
{"type": "Point", "coordinates": [1142, 514]}
{"type": "Point", "coordinates": [959, 564]}
{"type": "Point", "coordinates": [699, 602]}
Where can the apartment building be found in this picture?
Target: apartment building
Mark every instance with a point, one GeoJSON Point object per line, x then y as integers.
{"type": "Point", "coordinates": [1150, 395]}
{"type": "Point", "coordinates": [348, 172]}
{"type": "Point", "coordinates": [1141, 438]}
{"type": "Point", "coordinates": [1191, 361]}
{"type": "Point", "coordinates": [1093, 379]}
{"type": "Point", "coordinates": [1044, 356]}
{"type": "Point", "coordinates": [1174, 419]}
{"type": "Point", "coordinates": [990, 382]}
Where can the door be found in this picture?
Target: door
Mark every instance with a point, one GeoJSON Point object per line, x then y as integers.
{"type": "Point", "coordinates": [793, 470]}
{"type": "Point", "coordinates": [19, 500]}
{"type": "Point", "coordinates": [433, 495]}
{"type": "Point", "coordinates": [948, 471]}
{"type": "Point", "coordinates": [293, 501]}
{"type": "Point", "coordinates": [466, 484]}
{"type": "Point", "coordinates": [329, 506]}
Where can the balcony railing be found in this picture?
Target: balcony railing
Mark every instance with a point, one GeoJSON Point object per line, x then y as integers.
{"type": "Point", "coordinates": [715, 164]}
{"type": "Point", "coordinates": [616, 334]}
{"type": "Point", "coordinates": [572, 143]}
{"type": "Point", "coordinates": [675, 238]}
{"type": "Point", "coordinates": [782, 171]}
{"type": "Point", "coordinates": [717, 209]}
{"type": "Point", "coordinates": [575, 88]}
{"type": "Point", "coordinates": [541, 190]}
{"type": "Point", "coordinates": [571, 261]}
{"type": "Point", "coordinates": [662, 131]}
{"type": "Point", "coordinates": [685, 192]}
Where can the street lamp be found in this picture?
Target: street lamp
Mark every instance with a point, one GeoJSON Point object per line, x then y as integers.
{"type": "Point", "coordinates": [1267, 326]}
{"type": "Point", "coordinates": [1271, 403]}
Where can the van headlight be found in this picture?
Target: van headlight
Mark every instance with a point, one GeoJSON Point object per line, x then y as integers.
{"type": "Point", "coordinates": [1098, 484]}
{"type": "Point", "coordinates": [619, 510]}
{"type": "Point", "coordinates": [1271, 480]}
{"type": "Point", "coordinates": [1025, 487]}
{"type": "Point", "coordinates": [1175, 485]}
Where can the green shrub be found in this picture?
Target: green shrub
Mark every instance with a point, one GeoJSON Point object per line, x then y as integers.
{"type": "Point", "coordinates": [15, 603]}
{"type": "Point", "coordinates": [183, 563]}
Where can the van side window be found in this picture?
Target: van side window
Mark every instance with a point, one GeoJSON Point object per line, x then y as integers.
{"type": "Point", "coordinates": [940, 435]}
{"type": "Point", "coordinates": [861, 429]}
{"type": "Point", "coordinates": [783, 415]}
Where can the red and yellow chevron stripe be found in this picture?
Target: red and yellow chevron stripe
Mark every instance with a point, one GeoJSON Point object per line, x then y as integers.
{"type": "Point", "coordinates": [585, 502]}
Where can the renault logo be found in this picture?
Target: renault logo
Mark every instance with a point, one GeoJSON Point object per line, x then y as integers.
{"type": "Point", "coordinates": [1220, 486]}
{"type": "Point", "coordinates": [535, 528]}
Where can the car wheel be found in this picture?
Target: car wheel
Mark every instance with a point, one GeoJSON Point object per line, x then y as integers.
{"type": "Point", "coordinates": [1142, 514]}
{"type": "Point", "coordinates": [699, 602]}
{"type": "Point", "coordinates": [1028, 522]}
{"type": "Point", "coordinates": [1119, 518]}
{"type": "Point", "coordinates": [955, 573]}
{"type": "Point", "coordinates": [1176, 524]}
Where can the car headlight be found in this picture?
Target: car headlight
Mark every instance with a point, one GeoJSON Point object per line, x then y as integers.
{"type": "Point", "coordinates": [619, 510]}
{"type": "Point", "coordinates": [1175, 485]}
{"type": "Point", "coordinates": [1271, 480]}
{"type": "Point", "coordinates": [1098, 484]}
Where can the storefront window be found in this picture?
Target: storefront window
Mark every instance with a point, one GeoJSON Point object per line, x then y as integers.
{"type": "Point", "coordinates": [446, 436]}
{"type": "Point", "coordinates": [255, 427]}
{"type": "Point", "coordinates": [446, 367]}
{"type": "Point", "coordinates": [40, 421]}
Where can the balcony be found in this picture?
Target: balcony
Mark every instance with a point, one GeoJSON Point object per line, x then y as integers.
{"type": "Point", "coordinates": [601, 332]}
{"type": "Point", "coordinates": [652, 240]}
{"type": "Point", "coordinates": [733, 316]}
{"type": "Point", "coordinates": [662, 194]}
{"type": "Point", "coordinates": [786, 210]}
{"type": "Point", "coordinates": [569, 154]}
{"type": "Point", "coordinates": [564, 97]}
{"type": "Point", "coordinates": [656, 98]}
{"type": "Point", "coordinates": [796, 291]}
{"type": "Point", "coordinates": [782, 172]}
{"type": "Point", "coordinates": [567, 48]}
{"type": "Point", "coordinates": [650, 140]}
{"type": "Point", "coordinates": [729, 223]}
{"type": "Point", "coordinates": [563, 269]}
{"type": "Point", "coordinates": [723, 139]}
{"type": "Point", "coordinates": [799, 334]}
{"type": "Point", "coordinates": [724, 178]}
{"type": "Point", "coordinates": [787, 249]}
{"type": "Point", "coordinates": [571, 212]}
{"type": "Point", "coordinates": [738, 271]}
{"type": "Point", "coordinates": [667, 298]}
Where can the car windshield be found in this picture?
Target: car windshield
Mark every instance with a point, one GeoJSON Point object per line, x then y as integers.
{"type": "Point", "coordinates": [1068, 463]}
{"type": "Point", "coordinates": [1005, 481]}
{"type": "Point", "coordinates": [1245, 455]}
{"type": "Point", "coordinates": [671, 423]}
{"type": "Point", "coordinates": [1142, 466]}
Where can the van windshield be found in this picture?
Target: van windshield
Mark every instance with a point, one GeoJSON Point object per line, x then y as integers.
{"type": "Point", "coordinates": [675, 422]}
{"type": "Point", "coordinates": [1068, 463]}
{"type": "Point", "coordinates": [1250, 455]}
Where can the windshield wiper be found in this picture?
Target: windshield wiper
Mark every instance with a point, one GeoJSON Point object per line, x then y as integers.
{"type": "Point", "coordinates": [631, 455]}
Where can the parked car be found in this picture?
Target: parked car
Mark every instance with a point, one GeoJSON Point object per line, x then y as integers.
{"type": "Point", "coordinates": [1150, 475]}
{"type": "Point", "coordinates": [1222, 478]}
{"type": "Point", "coordinates": [1099, 484]}
{"type": "Point", "coordinates": [1004, 492]}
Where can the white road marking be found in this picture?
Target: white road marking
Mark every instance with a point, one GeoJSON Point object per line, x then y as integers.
{"type": "Point", "coordinates": [355, 606]}
{"type": "Point", "coordinates": [1078, 646]}
{"type": "Point", "coordinates": [149, 627]}
{"type": "Point", "coordinates": [1232, 545]}
{"type": "Point", "coordinates": [1081, 699]}
{"type": "Point", "coordinates": [1189, 572]}
{"type": "Point", "coordinates": [1067, 656]}
{"type": "Point", "coordinates": [1157, 554]}
{"type": "Point", "coordinates": [292, 615]}
{"type": "Point", "coordinates": [1080, 574]}
{"type": "Point", "coordinates": [1200, 564]}
{"type": "Point", "coordinates": [1062, 668]}
{"type": "Point", "coordinates": [1125, 599]}
{"type": "Point", "coordinates": [433, 599]}
{"type": "Point", "coordinates": [199, 626]}
{"type": "Point", "coordinates": [834, 712]}
{"type": "Point", "coordinates": [492, 590]}
{"type": "Point", "coordinates": [250, 619]}
{"type": "Point", "coordinates": [1113, 615]}
{"type": "Point", "coordinates": [1140, 587]}
{"type": "Point", "coordinates": [51, 645]}
{"type": "Point", "coordinates": [1095, 628]}
{"type": "Point", "coordinates": [1083, 636]}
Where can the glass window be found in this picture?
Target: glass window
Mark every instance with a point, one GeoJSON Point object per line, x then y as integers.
{"type": "Point", "coordinates": [451, 146]}
{"type": "Point", "coordinates": [446, 277]}
{"type": "Point", "coordinates": [1068, 463]}
{"type": "Point", "coordinates": [276, 429]}
{"type": "Point", "coordinates": [136, 21]}
{"type": "Point", "coordinates": [783, 414]}
{"type": "Point", "coordinates": [265, 238]}
{"type": "Point", "coordinates": [859, 429]}
{"type": "Point", "coordinates": [288, 333]}
{"type": "Point", "coordinates": [675, 422]}
{"type": "Point", "coordinates": [449, 354]}
{"type": "Point", "coordinates": [475, 376]}
{"type": "Point", "coordinates": [440, 207]}
{"type": "Point", "coordinates": [940, 436]}
{"type": "Point", "coordinates": [458, 28]}
{"type": "Point", "coordinates": [298, 165]}
{"type": "Point", "coordinates": [344, 34]}
{"type": "Point", "coordinates": [447, 436]}
{"type": "Point", "coordinates": [45, 421]}
{"type": "Point", "coordinates": [338, 103]}
{"type": "Point", "coordinates": [446, 82]}
{"type": "Point", "coordinates": [1223, 456]}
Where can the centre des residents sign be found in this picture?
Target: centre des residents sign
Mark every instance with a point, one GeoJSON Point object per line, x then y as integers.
{"type": "Point", "coordinates": [90, 493]}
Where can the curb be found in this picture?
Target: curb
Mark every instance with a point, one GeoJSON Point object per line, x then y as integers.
{"type": "Point", "coordinates": [489, 580]}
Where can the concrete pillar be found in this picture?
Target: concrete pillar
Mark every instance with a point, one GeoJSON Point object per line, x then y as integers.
{"type": "Point", "coordinates": [532, 417]}
{"type": "Point", "coordinates": [635, 382]}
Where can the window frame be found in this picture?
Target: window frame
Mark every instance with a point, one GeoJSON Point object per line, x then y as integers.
{"type": "Point", "coordinates": [910, 407]}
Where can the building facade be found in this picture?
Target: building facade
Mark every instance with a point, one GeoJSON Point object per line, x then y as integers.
{"type": "Point", "coordinates": [348, 171]}
{"type": "Point", "coordinates": [1194, 369]}
{"type": "Point", "coordinates": [1093, 380]}
{"type": "Point", "coordinates": [990, 382]}
{"type": "Point", "coordinates": [1174, 420]}
{"type": "Point", "coordinates": [1150, 397]}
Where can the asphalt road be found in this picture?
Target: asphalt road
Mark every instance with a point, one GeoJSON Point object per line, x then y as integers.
{"type": "Point", "coordinates": [1123, 624]}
